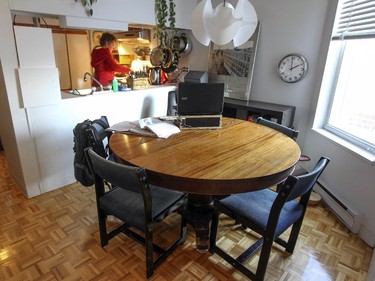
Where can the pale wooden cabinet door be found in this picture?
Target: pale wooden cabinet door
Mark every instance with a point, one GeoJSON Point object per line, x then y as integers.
{"type": "Point", "coordinates": [79, 59]}
{"type": "Point", "coordinates": [62, 63]}
{"type": "Point", "coordinates": [72, 52]}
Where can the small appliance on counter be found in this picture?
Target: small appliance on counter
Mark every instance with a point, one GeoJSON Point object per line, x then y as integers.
{"type": "Point", "coordinates": [154, 75]}
{"type": "Point", "coordinates": [194, 76]}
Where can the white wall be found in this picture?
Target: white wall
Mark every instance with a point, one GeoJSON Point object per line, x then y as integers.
{"type": "Point", "coordinates": [289, 26]}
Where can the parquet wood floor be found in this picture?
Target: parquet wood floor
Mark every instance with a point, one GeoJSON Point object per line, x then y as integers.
{"type": "Point", "coordinates": [55, 237]}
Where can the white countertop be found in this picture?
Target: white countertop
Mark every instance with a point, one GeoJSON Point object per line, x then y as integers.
{"type": "Point", "coordinates": [68, 95]}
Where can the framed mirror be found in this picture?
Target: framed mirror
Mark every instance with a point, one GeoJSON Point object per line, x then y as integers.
{"type": "Point", "coordinates": [234, 66]}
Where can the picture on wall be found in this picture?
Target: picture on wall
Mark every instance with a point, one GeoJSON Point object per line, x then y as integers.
{"type": "Point", "coordinates": [234, 66]}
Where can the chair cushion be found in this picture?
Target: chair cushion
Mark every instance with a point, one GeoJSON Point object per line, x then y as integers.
{"type": "Point", "coordinates": [256, 206]}
{"type": "Point", "coordinates": [128, 206]}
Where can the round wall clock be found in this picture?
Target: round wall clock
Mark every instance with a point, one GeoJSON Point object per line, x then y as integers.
{"type": "Point", "coordinates": [292, 68]}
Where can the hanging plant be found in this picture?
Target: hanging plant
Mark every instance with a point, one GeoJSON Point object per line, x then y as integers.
{"type": "Point", "coordinates": [161, 11]}
{"type": "Point", "coordinates": [88, 3]}
{"type": "Point", "coordinates": [172, 25]}
{"type": "Point", "coordinates": [165, 55]}
{"type": "Point", "coordinates": [164, 11]}
{"type": "Point", "coordinates": [172, 18]}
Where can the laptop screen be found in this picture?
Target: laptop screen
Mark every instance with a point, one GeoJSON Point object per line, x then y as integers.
{"type": "Point", "coordinates": [200, 98]}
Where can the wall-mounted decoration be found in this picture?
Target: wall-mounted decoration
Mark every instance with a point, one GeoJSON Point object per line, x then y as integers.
{"type": "Point", "coordinates": [234, 66]}
{"type": "Point", "coordinates": [88, 3]}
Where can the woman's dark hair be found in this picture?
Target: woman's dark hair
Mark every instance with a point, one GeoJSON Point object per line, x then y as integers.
{"type": "Point", "coordinates": [107, 38]}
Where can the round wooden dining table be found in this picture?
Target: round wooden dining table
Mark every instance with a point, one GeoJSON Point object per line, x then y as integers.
{"type": "Point", "coordinates": [239, 157]}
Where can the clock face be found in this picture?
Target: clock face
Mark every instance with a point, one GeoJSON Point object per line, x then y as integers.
{"type": "Point", "coordinates": [292, 68]}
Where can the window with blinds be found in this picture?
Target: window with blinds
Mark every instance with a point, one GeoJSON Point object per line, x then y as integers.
{"type": "Point", "coordinates": [349, 75]}
{"type": "Point", "coordinates": [355, 20]}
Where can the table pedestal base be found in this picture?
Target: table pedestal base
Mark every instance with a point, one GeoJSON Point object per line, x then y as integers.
{"type": "Point", "coordinates": [198, 213]}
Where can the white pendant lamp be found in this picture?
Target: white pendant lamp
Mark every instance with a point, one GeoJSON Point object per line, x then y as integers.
{"type": "Point", "coordinates": [197, 21]}
{"type": "Point", "coordinates": [224, 23]}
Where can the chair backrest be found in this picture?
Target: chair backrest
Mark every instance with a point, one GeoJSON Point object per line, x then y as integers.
{"type": "Point", "coordinates": [307, 181]}
{"type": "Point", "coordinates": [294, 187]}
{"type": "Point", "coordinates": [281, 128]}
{"type": "Point", "coordinates": [119, 175]}
{"type": "Point", "coordinates": [172, 104]}
{"type": "Point", "coordinates": [301, 186]}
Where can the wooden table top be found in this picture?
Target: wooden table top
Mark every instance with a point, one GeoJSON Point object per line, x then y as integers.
{"type": "Point", "coordinates": [240, 157]}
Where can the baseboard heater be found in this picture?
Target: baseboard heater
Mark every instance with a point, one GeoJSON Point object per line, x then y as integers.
{"type": "Point", "coordinates": [350, 217]}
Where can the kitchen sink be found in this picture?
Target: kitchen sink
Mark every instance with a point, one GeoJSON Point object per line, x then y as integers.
{"type": "Point", "coordinates": [95, 93]}
{"type": "Point", "coordinates": [87, 92]}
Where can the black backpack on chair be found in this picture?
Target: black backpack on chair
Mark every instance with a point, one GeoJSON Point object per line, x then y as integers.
{"type": "Point", "coordinates": [89, 134]}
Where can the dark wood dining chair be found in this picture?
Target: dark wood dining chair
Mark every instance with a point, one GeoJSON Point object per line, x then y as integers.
{"type": "Point", "coordinates": [268, 213]}
{"type": "Point", "coordinates": [172, 103]}
{"type": "Point", "coordinates": [137, 204]}
{"type": "Point", "coordinates": [290, 132]}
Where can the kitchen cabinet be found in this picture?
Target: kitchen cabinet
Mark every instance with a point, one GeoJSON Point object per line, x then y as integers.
{"type": "Point", "coordinates": [61, 57]}
{"type": "Point", "coordinates": [79, 59]}
{"type": "Point", "coordinates": [73, 56]}
{"type": "Point", "coordinates": [250, 110]}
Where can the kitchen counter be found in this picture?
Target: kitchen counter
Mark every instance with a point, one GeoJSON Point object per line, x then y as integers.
{"type": "Point", "coordinates": [59, 119]}
{"type": "Point", "coordinates": [169, 87]}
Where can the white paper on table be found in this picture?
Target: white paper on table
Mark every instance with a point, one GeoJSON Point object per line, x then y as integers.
{"type": "Point", "coordinates": [152, 127]}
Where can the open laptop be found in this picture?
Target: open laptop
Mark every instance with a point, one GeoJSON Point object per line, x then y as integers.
{"type": "Point", "coordinates": [200, 98]}
{"type": "Point", "coordinates": [200, 105]}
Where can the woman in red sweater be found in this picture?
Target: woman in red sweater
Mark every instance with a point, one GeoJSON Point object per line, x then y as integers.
{"type": "Point", "coordinates": [103, 61]}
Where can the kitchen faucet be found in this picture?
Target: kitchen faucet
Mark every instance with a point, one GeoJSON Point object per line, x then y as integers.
{"type": "Point", "coordinates": [93, 78]}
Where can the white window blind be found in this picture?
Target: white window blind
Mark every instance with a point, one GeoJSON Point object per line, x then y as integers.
{"type": "Point", "coordinates": [356, 20]}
